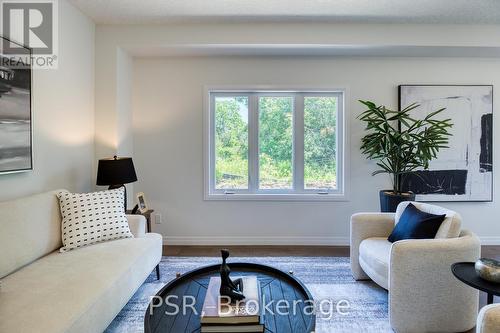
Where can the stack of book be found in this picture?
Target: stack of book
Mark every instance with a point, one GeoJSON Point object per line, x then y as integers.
{"type": "Point", "coordinates": [244, 316]}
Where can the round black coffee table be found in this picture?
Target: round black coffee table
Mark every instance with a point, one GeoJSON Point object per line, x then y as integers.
{"type": "Point", "coordinates": [275, 285]}
{"type": "Point", "coordinates": [465, 272]}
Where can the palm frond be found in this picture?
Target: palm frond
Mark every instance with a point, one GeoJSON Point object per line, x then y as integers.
{"type": "Point", "coordinates": [399, 142]}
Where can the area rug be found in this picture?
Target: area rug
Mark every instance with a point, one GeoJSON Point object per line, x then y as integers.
{"type": "Point", "coordinates": [327, 278]}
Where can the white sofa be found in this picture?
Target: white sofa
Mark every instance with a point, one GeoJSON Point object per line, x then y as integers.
{"type": "Point", "coordinates": [424, 296]}
{"type": "Point", "coordinates": [43, 290]}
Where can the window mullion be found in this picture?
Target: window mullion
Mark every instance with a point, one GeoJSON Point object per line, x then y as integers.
{"type": "Point", "coordinates": [339, 149]}
{"type": "Point", "coordinates": [298, 143]}
{"type": "Point", "coordinates": [211, 140]}
{"type": "Point", "coordinates": [253, 143]}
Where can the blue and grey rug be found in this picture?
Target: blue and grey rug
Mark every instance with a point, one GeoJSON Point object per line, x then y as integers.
{"type": "Point", "coordinates": [326, 278]}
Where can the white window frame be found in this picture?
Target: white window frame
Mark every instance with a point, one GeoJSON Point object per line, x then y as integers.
{"type": "Point", "coordinates": [299, 193]}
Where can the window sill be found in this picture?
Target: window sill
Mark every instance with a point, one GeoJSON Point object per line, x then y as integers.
{"type": "Point", "coordinates": [276, 197]}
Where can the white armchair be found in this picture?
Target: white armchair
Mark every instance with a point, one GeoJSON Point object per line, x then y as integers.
{"type": "Point", "coordinates": [424, 296]}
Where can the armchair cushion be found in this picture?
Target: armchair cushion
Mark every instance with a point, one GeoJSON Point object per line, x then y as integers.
{"type": "Point", "coordinates": [451, 226]}
{"type": "Point", "coordinates": [374, 258]}
{"type": "Point", "coordinates": [416, 224]}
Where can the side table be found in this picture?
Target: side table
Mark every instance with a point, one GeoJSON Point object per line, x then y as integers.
{"type": "Point", "coordinates": [465, 272]}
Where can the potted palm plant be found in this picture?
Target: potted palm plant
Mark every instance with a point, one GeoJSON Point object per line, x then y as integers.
{"type": "Point", "coordinates": [401, 144]}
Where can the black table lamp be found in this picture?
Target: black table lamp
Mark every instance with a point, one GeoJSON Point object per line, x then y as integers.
{"type": "Point", "coordinates": [116, 172]}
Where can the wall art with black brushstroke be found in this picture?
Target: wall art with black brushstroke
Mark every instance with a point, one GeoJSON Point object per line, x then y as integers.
{"type": "Point", "coordinates": [464, 171]}
{"type": "Point", "coordinates": [15, 111]}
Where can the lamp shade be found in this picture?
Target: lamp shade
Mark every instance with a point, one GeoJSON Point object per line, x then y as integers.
{"type": "Point", "coordinates": [116, 171]}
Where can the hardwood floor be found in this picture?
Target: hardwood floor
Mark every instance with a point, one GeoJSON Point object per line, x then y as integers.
{"type": "Point", "coordinates": [490, 252]}
{"type": "Point", "coordinates": [257, 251]}
{"type": "Point", "coordinates": [281, 251]}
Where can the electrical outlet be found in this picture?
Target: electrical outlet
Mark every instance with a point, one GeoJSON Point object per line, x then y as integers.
{"type": "Point", "coordinates": [157, 218]}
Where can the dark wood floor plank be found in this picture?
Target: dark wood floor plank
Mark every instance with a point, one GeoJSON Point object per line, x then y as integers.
{"type": "Point", "coordinates": [270, 323]}
{"type": "Point", "coordinates": [297, 321]}
{"type": "Point", "coordinates": [204, 281]}
{"type": "Point", "coordinates": [194, 320]}
{"type": "Point", "coordinates": [166, 320]}
{"type": "Point", "coordinates": [282, 321]}
{"type": "Point", "coordinates": [265, 281]}
{"type": "Point", "coordinates": [306, 313]}
{"type": "Point", "coordinates": [181, 322]}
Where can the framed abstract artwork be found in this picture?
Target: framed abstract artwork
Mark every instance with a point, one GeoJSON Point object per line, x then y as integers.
{"type": "Point", "coordinates": [16, 148]}
{"type": "Point", "coordinates": [464, 171]}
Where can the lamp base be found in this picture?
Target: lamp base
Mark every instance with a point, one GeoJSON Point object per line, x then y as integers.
{"type": "Point", "coordinates": [114, 187]}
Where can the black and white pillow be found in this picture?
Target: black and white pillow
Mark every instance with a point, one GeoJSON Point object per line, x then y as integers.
{"type": "Point", "coordinates": [89, 218]}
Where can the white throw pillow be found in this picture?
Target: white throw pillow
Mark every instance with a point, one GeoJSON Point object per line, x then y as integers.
{"type": "Point", "coordinates": [89, 218]}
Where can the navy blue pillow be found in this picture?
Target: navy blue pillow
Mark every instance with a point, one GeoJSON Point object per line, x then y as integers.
{"type": "Point", "coordinates": [415, 224]}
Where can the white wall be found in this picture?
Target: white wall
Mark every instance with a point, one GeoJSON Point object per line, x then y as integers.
{"type": "Point", "coordinates": [167, 112]}
{"type": "Point", "coordinates": [168, 143]}
{"type": "Point", "coordinates": [63, 111]}
{"type": "Point", "coordinates": [167, 116]}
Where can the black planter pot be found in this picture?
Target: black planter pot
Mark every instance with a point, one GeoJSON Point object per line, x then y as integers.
{"type": "Point", "coordinates": [390, 201]}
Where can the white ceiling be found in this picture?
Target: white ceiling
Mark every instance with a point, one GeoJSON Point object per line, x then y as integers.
{"type": "Point", "coordinates": [358, 11]}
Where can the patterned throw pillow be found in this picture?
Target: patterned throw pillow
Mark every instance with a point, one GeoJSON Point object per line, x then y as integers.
{"type": "Point", "coordinates": [89, 218]}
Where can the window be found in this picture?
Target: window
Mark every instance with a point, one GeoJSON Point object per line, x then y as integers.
{"type": "Point", "coordinates": [274, 144]}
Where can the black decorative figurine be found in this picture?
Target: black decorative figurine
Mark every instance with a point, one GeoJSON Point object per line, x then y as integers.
{"type": "Point", "coordinates": [228, 287]}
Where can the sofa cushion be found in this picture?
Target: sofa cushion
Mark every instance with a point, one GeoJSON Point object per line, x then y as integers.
{"type": "Point", "coordinates": [30, 228]}
{"type": "Point", "coordinates": [374, 258]}
{"type": "Point", "coordinates": [77, 291]}
{"type": "Point", "coordinates": [451, 226]}
{"type": "Point", "coordinates": [416, 224]}
{"type": "Point", "coordinates": [89, 218]}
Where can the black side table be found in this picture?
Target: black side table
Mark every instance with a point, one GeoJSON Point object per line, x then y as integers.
{"type": "Point", "coordinates": [465, 272]}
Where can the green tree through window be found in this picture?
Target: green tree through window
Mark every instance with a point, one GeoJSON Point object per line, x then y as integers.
{"type": "Point", "coordinates": [231, 142]}
{"type": "Point", "coordinates": [320, 142]}
{"type": "Point", "coordinates": [274, 153]}
{"type": "Point", "coordinates": [275, 142]}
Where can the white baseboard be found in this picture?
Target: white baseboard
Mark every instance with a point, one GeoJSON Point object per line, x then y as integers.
{"type": "Point", "coordinates": [224, 240]}
{"type": "Point", "coordinates": [489, 240]}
